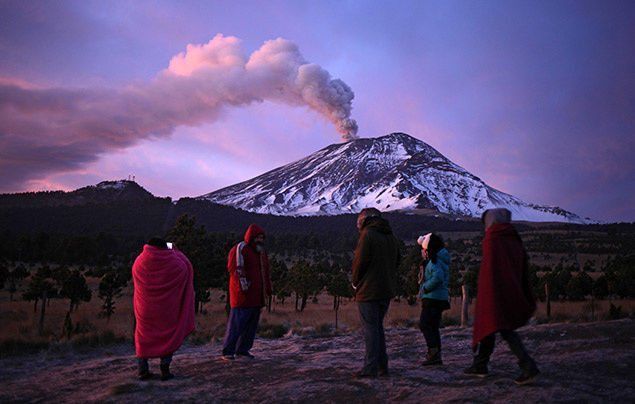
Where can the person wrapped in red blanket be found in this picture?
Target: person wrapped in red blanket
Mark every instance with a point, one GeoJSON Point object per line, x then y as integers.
{"type": "Point", "coordinates": [163, 304]}
{"type": "Point", "coordinates": [504, 301]}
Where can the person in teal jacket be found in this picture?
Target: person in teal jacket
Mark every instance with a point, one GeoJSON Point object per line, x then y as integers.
{"type": "Point", "coordinates": [433, 292]}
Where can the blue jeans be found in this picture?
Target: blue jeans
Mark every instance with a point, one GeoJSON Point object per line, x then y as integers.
{"type": "Point", "coordinates": [241, 330]}
{"type": "Point", "coordinates": [372, 314]}
{"type": "Point", "coordinates": [143, 363]}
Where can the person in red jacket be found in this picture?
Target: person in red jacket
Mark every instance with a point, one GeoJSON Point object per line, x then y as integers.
{"type": "Point", "coordinates": [504, 301]}
{"type": "Point", "coordinates": [249, 289]}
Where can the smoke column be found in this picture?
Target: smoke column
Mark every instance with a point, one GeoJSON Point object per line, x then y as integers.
{"type": "Point", "coordinates": [43, 130]}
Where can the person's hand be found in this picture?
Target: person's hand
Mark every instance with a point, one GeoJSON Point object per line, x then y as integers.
{"type": "Point", "coordinates": [242, 278]}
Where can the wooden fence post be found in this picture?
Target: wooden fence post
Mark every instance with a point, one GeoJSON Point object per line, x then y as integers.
{"type": "Point", "coordinates": [40, 328]}
{"type": "Point", "coordinates": [337, 309]}
{"type": "Point", "coordinates": [548, 297]}
{"type": "Point", "coordinates": [464, 306]}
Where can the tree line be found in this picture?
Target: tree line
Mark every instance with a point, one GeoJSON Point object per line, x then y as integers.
{"type": "Point", "coordinates": [301, 269]}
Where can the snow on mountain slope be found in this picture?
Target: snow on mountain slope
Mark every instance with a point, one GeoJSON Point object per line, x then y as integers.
{"type": "Point", "coordinates": [392, 172]}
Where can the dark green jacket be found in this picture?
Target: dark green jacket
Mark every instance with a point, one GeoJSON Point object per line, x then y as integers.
{"type": "Point", "coordinates": [376, 261]}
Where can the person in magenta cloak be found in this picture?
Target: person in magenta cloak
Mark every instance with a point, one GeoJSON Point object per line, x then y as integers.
{"type": "Point", "coordinates": [249, 290]}
{"type": "Point", "coordinates": [504, 301]}
{"type": "Point", "coordinates": [163, 304]}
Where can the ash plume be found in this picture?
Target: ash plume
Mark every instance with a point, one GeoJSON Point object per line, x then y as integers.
{"type": "Point", "coordinates": [44, 130]}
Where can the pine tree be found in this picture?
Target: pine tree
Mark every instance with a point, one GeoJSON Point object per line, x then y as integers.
{"type": "Point", "coordinates": [4, 275]}
{"type": "Point", "coordinates": [579, 286]}
{"type": "Point", "coordinates": [206, 253]}
{"type": "Point", "coordinates": [280, 279]}
{"type": "Point", "coordinates": [338, 286]}
{"type": "Point", "coordinates": [75, 289]}
{"type": "Point", "coordinates": [110, 288]}
{"type": "Point", "coordinates": [41, 287]}
{"type": "Point", "coordinates": [304, 282]}
{"type": "Point", "coordinates": [14, 278]}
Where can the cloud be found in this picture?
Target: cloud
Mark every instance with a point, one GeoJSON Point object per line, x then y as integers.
{"type": "Point", "coordinates": [44, 130]}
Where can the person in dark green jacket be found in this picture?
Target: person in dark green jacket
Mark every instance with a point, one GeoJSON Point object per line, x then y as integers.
{"type": "Point", "coordinates": [374, 280]}
{"type": "Point", "coordinates": [433, 292]}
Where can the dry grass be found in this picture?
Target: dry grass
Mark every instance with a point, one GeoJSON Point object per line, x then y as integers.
{"type": "Point", "coordinates": [19, 322]}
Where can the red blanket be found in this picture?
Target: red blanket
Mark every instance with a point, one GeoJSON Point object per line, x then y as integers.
{"type": "Point", "coordinates": [163, 301]}
{"type": "Point", "coordinates": [504, 300]}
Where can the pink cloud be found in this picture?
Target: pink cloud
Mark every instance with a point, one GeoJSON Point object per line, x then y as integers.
{"type": "Point", "coordinates": [47, 130]}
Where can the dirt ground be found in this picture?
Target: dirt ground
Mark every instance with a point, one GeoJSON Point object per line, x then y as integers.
{"type": "Point", "coordinates": [589, 362]}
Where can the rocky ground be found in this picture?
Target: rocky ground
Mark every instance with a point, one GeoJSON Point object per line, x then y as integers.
{"type": "Point", "coordinates": [590, 362]}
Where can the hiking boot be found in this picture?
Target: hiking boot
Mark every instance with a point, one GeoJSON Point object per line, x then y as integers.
{"type": "Point", "coordinates": [383, 371]}
{"type": "Point", "coordinates": [145, 375]}
{"type": "Point", "coordinates": [527, 375]}
{"type": "Point", "coordinates": [245, 355]}
{"type": "Point", "coordinates": [228, 358]}
{"type": "Point", "coordinates": [165, 373]}
{"type": "Point", "coordinates": [363, 374]}
{"type": "Point", "coordinates": [476, 370]}
{"type": "Point", "coordinates": [433, 357]}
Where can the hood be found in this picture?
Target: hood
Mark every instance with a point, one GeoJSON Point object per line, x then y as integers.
{"type": "Point", "coordinates": [499, 215]}
{"type": "Point", "coordinates": [444, 256]}
{"type": "Point", "coordinates": [501, 230]}
{"type": "Point", "coordinates": [378, 224]}
{"type": "Point", "coordinates": [253, 231]}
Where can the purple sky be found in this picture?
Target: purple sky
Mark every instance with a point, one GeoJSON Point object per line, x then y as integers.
{"type": "Point", "coordinates": [537, 98]}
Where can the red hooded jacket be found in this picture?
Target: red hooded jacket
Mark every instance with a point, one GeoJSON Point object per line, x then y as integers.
{"type": "Point", "coordinates": [254, 266]}
{"type": "Point", "coordinates": [504, 300]}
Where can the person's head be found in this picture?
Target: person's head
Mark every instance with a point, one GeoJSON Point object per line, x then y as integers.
{"type": "Point", "coordinates": [430, 244]}
{"type": "Point", "coordinates": [158, 242]}
{"type": "Point", "coordinates": [498, 215]}
{"type": "Point", "coordinates": [366, 214]}
{"type": "Point", "coordinates": [255, 235]}
{"type": "Point", "coordinates": [259, 241]}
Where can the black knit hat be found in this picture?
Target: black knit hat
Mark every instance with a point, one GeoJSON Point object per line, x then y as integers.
{"type": "Point", "coordinates": [157, 242]}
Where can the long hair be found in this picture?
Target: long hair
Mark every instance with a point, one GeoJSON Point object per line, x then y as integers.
{"type": "Point", "coordinates": [434, 246]}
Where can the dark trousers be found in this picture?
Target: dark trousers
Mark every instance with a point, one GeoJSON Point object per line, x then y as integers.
{"type": "Point", "coordinates": [429, 323]}
{"type": "Point", "coordinates": [485, 348]}
{"type": "Point", "coordinates": [241, 330]}
{"type": "Point", "coordinates": [372, 315]}
{"type": "Point", "coordinates": [145, 367]}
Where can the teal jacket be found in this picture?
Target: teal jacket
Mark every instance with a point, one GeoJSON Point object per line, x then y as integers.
{"type": "Point", "coordinates": [436, 278]}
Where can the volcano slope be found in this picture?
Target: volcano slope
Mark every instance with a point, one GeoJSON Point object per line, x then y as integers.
{"type": "Point", "coordinates": [589, 362]}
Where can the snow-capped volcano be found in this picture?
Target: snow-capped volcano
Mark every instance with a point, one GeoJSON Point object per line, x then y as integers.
{"type": "Point", "coordinates": [392, 172]}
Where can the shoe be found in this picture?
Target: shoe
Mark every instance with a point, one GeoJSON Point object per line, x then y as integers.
{"type": "Point", "coordinates": [474, 370]}
{"type": "Point", "coordinates": [228, 358]}
{"type": "Point", "coordinates": [364, 374]}
{"type": "Point", "coordinates": [245, 355]}
{"type": "Point", "coordinates": [165, 373]}
{"type": "Point", "coordinates": [527, 376]}
{"type": "Point", "coordinates": [145, 376]}
{"type": "Point", "coordinates": [433, 357]}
